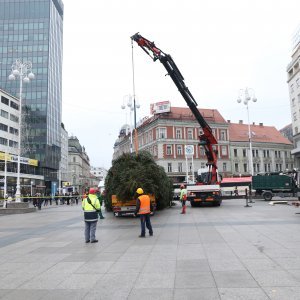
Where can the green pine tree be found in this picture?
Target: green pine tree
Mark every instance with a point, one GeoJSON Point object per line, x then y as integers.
{"type": "Point", "coordinates": [131, 171]}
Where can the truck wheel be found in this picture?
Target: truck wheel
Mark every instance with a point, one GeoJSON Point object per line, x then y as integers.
{"type": "Point", "coordinates": [267, 196]}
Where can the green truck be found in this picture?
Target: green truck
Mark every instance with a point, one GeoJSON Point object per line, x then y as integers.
{"type": "Point", "coordinates": [281, 185]}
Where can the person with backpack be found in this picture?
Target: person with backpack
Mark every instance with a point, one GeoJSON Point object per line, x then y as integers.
{"type": "Point", "coordinates": [91, 207]}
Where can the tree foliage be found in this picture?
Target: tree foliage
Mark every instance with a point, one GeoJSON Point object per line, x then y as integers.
{"type": "Point", "coordinates": [131, 171]}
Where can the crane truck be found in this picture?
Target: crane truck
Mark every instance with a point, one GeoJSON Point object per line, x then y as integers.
{"type": "Point", "coordinates": [207, 188]}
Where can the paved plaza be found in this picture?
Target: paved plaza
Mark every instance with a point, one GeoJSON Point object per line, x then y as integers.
{"type": "Point", "coordinates": [228, 252]}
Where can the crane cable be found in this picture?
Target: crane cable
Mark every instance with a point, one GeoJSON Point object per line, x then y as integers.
{"type": "Point", "coordinates": [134, 104]}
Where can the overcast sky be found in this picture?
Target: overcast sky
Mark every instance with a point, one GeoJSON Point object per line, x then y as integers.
{"type": "Point", "coordinates": [219, 47]}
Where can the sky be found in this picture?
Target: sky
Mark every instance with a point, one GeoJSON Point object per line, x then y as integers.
{"type": "Point", "coordinates": [219, 46]}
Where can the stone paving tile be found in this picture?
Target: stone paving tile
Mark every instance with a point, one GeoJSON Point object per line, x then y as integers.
{"type": "Point", "coordinates": [232, 264]}
{"type": "Point", "coordinates": [234, 279]}
{"type": "Point", "coordinates": [196, 294]}
{"type": "Point", "coordinates": [160, 266]}
{"type": "Point", "coordinates": [26, 294]}
{"type": "Point", "coordinates": [260, 264]}
{"type": "Point", "coordinates": [126, 267]}
{"type": "Point", "coordinates": [92, 267]}
{"type": "Point", "coordinates": [193, 265]}
{"type": "Point", "coordinates": [65, 268]}
{"type": "Point", "coordinates": [13, 280]}
{"type": "Point", "coordinates": [79, 281]}
{"type": "Point", "coordinates": [274, 278]}
{"type": "Point", "coordinates": [65, 294]}
{"type": "Point", "coordinates": [115, 281]}
{"type": "Point", "coordinates": [155, 280]}
{"type": "Point", "coordinates": [107, 294]}
{"type": "Point", "coordinates": [44, 282]}
{"type": "Point", "coordinates": [283, 293]}
{"type": "Point", "coordinates": [242, 294]}
{"type": "Point", "coordinates": [151, 294]}
{"type": "Point", "coordinates": [291, 263]}
{"type": "Point", "coordinates": [194, 280]}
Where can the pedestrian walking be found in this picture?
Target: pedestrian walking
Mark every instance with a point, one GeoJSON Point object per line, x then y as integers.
{"type": "Point", "coordinates": [76, 196]}
{"type": "Point", "coordinates": [100, 198]}
{"type": "Point", "coordinates": [143, 209]}
{"type": "Point", "coordinates": [183, 197]}
{"type": "Point", "coordinates": [90, 206]}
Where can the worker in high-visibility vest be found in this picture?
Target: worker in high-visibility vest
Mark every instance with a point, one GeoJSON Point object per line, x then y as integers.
{"type": "Point", "coordinates": [90, 206]}
{"type": "Point", "coordinates": [183, 197]}
{"type": "Point", "coordinates": [143, 209]}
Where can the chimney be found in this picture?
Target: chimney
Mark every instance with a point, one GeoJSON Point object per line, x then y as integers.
{"type": "Point", "coordinates": [261, 124]}
{"type": "Point", "coordinates": [228, 121]}
{"type": "Point", "coordinates": [240, 121]}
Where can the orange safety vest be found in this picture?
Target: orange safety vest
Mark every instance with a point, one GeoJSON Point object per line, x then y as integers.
{"type": "Point", "coordinates": [145, 205]}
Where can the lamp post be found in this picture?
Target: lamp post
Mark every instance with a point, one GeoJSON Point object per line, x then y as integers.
{"type": "Point", "coordinates": [132, 105]}
{"type": "Point", "coordinates": [247, 95]}
{"type": "Point", "coordinates": [22, 71]}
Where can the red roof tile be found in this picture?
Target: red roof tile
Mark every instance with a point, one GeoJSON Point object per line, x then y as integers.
{"type": "Point", "coordinates": [260, 133]}
{"type": "Point", "coordinates": [210, 115]}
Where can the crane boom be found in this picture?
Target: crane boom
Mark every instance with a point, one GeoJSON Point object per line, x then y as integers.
{"type": "Point", "coordinates": [207, 139]}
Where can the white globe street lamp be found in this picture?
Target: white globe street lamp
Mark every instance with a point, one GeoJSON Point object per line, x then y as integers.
{"type": "Point", "coordinates": [131, 103]}
{"type": "Point", "coordinates": [246, 95]}
{"type": "Point", "coordinates": [22, 71]}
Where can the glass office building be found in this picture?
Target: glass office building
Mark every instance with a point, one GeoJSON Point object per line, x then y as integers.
{"type": "Point", "coordinates": [32, 30]}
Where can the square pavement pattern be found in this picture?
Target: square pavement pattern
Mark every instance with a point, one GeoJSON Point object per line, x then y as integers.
{"type": "Point", "coordinates": [227, 252]}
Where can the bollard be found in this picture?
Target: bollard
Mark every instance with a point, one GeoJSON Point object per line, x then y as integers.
{"type": "Point", "coordinates": [246, 197]}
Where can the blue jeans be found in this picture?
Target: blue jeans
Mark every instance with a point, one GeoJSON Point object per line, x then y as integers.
{"type": "Point", "coordinates": [90, 231]}
{"type": "Point", "coordinates": [145, 219]}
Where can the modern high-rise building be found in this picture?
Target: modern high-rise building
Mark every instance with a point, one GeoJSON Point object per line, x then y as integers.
{"type": "Point", "coordinates": [32, 30]}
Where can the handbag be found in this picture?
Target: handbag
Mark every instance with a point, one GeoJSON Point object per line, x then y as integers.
{"type": "Point", "coordinates": [98, 211]}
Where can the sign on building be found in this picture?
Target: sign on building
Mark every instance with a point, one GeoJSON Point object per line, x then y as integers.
{"type": "Point", "coordinates": [23, 160]}
{"type": "Point", "coordinates": [160, 107]}
{"type": "Point", "coordinates": [189, 150]}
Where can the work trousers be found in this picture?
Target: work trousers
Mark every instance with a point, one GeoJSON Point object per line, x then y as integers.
{"type": "Point", "coordinates": [145, 220]}
{"type": "Point", "coordinates": [90, 231]}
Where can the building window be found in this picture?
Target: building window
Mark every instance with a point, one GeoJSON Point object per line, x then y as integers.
{"type": "Point", "coordinates": [224, 150]}
{"type": "Point", "coordinates": [244, 153]}
{"type": "Point", "coordinates": [245, 168]}
{"type": "Point", "coordinates": [178, 133]}
{"type": "Point", "coordinates": [169, 150]}
{"type": "Point", "coordinates": [161, 133]}
{"type": "Point", "coordinates": [14, 105]}
{"type": "Point", "coordinates": [169, 167]}
{"type": "Point", "coordinates": [279, 154]}
{"type": "Point", "coordinates": [292, 88]}
{"type": "Point", "coordinates": [14, 118]}
{"type": "Point", "coordinates": [180, 167]}
{"type": "Point", "coordinates": [293, 102]}
{"type": "Point", "coordinates": [255, 153]}
{"type": "Point", "coordinates": [190, 134]}
{"type": "Point", "coordinates": [3, 141]}
{"type": "Point", "coordinates": [275, 154]}
{"type": "Point", "coordinates": [4, 100]}
{"type": "Point", "coordinates": [236, 168]}
{"type": "Point", "coordinates": [3, 127]}
{"type": "Point", "coordinates": [295, 116]}
{"type": "Point", "coordinates": [74, 159]}
{"type": "Point", "coordinates": [4, 114]}
{"type": "Point", "coordinates": [179, 150]}
{"type": "Point", "coordinates": [298, 82]}
{"type": "Point", "coordinates": [13, 131]}
{"type": "Point", "coordinates": [13, 144]}
{"type": "Point", "coordinates": [223, 135]}
{"type": "Point", "coordinates": [235, 152]}
{"type": "Point", "coordinates": [224, 167]}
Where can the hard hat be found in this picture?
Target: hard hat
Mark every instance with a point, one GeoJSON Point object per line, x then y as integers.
{"type": "Point", "coordinates": [92, 191]}
{"type": "Point", "coordinates": [140, 191]}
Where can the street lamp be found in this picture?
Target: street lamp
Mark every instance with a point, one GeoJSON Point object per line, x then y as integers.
{"type": "Point", "coordinates": [246, 95]}
{"type": "Point", "coordinates": [22, 71]}
{"type": "Point", "coordinates": [130, 102]}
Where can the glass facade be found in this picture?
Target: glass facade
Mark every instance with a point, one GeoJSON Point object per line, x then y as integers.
{"type": "Point", "coordinates": [32, 30]}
